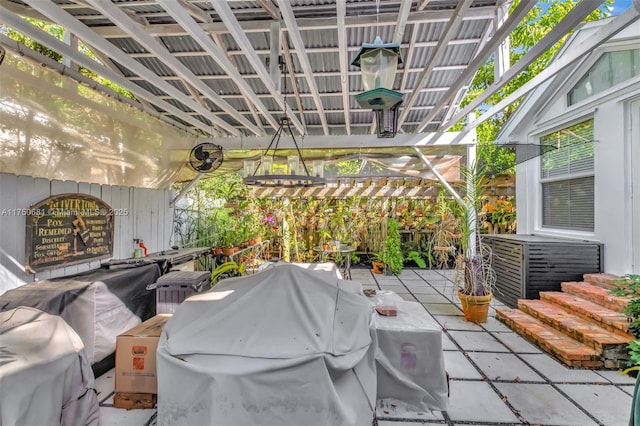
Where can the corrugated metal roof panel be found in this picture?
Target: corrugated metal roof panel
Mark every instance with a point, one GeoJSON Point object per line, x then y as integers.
{"type": "Point", "coordinates": [128, 45]}
{"type": "Point", "coordinates": [157, 66]}
{"type": "Point", "coordinates": [202, 65]}
{"type": "Point", "coordinates": [180, 44]}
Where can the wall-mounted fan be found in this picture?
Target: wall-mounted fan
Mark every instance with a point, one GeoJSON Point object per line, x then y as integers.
{"type": "Point", "coordinates": [206, 157]}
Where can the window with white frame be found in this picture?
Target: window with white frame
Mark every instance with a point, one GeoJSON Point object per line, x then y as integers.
{"type": "Point", "coordinates": [567, 178]}
{"type": "Point", "coordinates": [610, 69]}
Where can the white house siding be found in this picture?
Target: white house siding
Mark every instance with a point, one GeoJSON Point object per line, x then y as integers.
{"type": "Point", "coordinates": [616, 115]}
{"type": "Point", "coordinates": [150, 218]}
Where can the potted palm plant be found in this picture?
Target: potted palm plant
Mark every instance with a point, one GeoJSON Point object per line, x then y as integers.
{"type": "Point", "coordinates": [474, 276]}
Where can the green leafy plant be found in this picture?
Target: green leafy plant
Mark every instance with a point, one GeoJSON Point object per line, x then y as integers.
{"type": "Point", "coordinates": [629, 286]}
{"type": "Point", "coordinates": [392, 253]}
{"type": "Point", "coordinates": [416, 257]}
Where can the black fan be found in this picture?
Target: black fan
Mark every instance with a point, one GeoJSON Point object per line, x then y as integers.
{"type": "Point", "coordinates": [206, 157]}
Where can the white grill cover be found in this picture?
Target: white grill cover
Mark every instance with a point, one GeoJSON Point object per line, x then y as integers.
{"type": "Point", "coordinates": [286, 346]}
{"type": "Point", "coordinates": [45, 376]}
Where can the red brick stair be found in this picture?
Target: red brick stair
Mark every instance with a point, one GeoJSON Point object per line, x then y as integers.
{"type": "Point", "coordinates": [568, 350]}
{"type": "Point", "coordinates": [582, 326]}
{"type": "Point", "coordinates": [608, 319]}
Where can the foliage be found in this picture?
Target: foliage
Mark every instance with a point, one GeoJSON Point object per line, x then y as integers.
{"type": "Point", "coordinates": [444, 237]}
{"type": "Point", "coordinates": [541, 19]}
{"type": "Point", "coordinates": [415, 256]}
{"type": "Point", "coordinates": [58, 32]}
{"type": "Point", "coordinates": [474, 272]}
{"type": "Point", "coordinates": [629, 286]}
{"type": "Point", "coordinates": [392, 254]}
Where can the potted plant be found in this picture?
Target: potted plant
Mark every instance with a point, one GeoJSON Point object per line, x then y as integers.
{"type": "Point", "coordinates": [377, 264]}
{"type": "Point", "coordinates": [392, 253]}
{"type": "Point", "coordinates": [445, 234]}
{"type": "Point", "coordinates": [474, 273]}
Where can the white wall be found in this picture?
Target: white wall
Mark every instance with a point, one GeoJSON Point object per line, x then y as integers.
{"type": "Point", "coordinates": [150, 218]}
{"type": "Point", "coordinates": [617, 159]}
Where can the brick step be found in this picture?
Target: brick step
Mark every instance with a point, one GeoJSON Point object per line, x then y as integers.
{"type": "Point", "coordinates": [596, 294]}
{"type": "Point", "coordinates": [611, 346]}
{"type": "Point", "coordinates": [558, 344]}
{"type": "Point", "coordinates": [608, 319]}
{"type": "Point", "coordinates": [601, 280]}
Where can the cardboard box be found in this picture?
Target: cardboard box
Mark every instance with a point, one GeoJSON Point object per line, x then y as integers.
{"type": "Point", "coordinates": [136, 356]}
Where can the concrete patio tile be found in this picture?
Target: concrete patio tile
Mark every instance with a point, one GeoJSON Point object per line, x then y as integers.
{"type": "Point", "coordinates": [477, 341]}
{"type": "Point", "coordinates": [477, 402]}
{"type": "Point", "coordinates": [396, 288]}
{"type": "Point", "coordinates": [628, 389]}
{"type": "Point", "coordinates": [110, 416]}
{"type": "Point", "coordinates": [415, 279]}
{"type": "Point", "coordinates": [542, 404]}
{"type": "Point", "coordinates": [558, 372]}
{"type": "Point", "coordinates": [614, 376]}
{"type": "Point", "coordinates": [447, 344]}
{"type": "Point", "coordinates": [407, 296]}
{"type": "Point", "coordinates": [433, 298]}
{"type": "Point", "coordinates": [401, 423]}
{"type": "Point", "coordinates": [408, 273]}
{"type": "Point", "coordinates": [606, 403]}
{"type": "Point", "coordinates": [424, 290]}
{"type": "Point", "coordinates": [441, 308]}
{"type": "Point", "coordinates": [450, 322]}
{"type": "Point", "coordinates": [459, 367]}
{"type": "Point", "coordinates": [504, 366]}
{"type": "Point", "coordinates": [394, 409]}
{"type": "Point", "coordinates": [493, 324]}
{"type": "Point", "coordinates": [515, 342]}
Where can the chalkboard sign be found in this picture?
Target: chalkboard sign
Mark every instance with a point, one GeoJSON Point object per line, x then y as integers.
{"type": "Point", "coordinates": [67, 229]}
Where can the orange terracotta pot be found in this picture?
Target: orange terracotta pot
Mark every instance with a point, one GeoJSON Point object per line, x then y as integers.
{"type": "Point", "coordinates": [378, 267]}
{"type": "Point", "coordinates": [475, 308]}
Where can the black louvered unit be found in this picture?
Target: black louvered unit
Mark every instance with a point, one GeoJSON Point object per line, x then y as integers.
{"type": "Point", "coordinates": [525, 265]}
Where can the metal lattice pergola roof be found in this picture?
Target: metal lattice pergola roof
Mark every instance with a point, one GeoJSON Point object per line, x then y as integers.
{"type": "Point", "coordinates": [209, 66]}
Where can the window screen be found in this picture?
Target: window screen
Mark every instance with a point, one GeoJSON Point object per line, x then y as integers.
{"type": "Point", "coordinates": [567, 178]}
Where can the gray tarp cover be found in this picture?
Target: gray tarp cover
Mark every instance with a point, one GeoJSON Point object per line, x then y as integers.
{"type": "Point", "coordinates": [286, 346]}
{"type": "Point", "coordinates": [45, 376]}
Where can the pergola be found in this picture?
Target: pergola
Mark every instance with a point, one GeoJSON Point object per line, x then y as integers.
{"type": "Point", "coordinates": [211, 68]}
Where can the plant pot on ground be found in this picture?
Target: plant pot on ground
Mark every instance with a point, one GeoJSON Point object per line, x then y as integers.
{"type": "Point", "coordinates": [378, 267]}
{"type": "Point", "coordinates": [474, 277]}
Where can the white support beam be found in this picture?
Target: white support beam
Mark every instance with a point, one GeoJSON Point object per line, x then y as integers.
{"type": "Point", "coordinates": [252, 109]}
{"type": "Point", "coordinates": [501, 56]}
{"type": "Point", "coordinates": [275, 49]}
{"type": "Point", "coordinates": [294, 33]}
{"type": "Point", "coordinates": [576, 53]}
{"type": "Point", "coordinates": [447, 35]}
{"type": "Point", "coordinates": [269, 8]}
{"type": "Point", "coordinates": [196, 12]}
{"type": "Point", "coordinates": [116, 14]}
{"type": "Point", "coordinates": [226, 14]}
{"type": "Point", "coordinates": [21, 25]}
{"type": "Point", "coordinates": [573, 18]}
{"type": "Point", "coordinates": [72, 41]}
{"type": "Point", "coordinates": [403, 16]}
{"type": "Point", "coordinates": [66, 20]}
{"type": "Point", "coordinates": [288, 61]}
{"type": "Point", "coordinates": [354, 141]}
{"type": "Point", "coordinates": [500, 34]}
{"type": "Point", "coordinates": [205, 41]}
{"type": "Point", "coordinates": [261, 26]}
{"type": "Point", "coordinates": [341, 13]}
{"type": "Point", "coordinates": [440, 178]}
{"type": "Point", "coordinates": [423, 4]}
